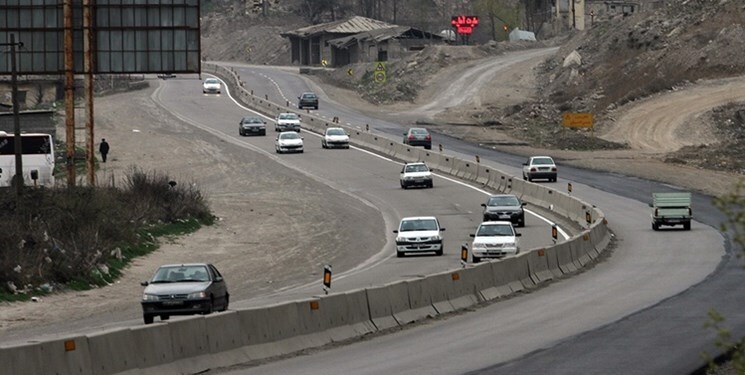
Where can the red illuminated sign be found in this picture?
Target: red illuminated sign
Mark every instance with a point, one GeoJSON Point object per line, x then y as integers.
{"type": "Point", "coordinates": [464, 24]}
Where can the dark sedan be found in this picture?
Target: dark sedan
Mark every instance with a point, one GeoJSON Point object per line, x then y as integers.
{"type": "Point", "coordinates": [184, 289]}
{"type": "Point", "coordinates": [504, 207]}
{"type": "Point", "coordinates": [418, 137]}
{"type": "Point", "coordinates": [252, 125]}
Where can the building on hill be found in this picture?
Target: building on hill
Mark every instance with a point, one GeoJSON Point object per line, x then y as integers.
{"type": "Point", "coordinates": [357, 39]}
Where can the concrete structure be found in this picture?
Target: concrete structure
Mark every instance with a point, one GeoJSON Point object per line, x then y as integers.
{"type": "Point", "coordinates": [357, 39]}
{"type": "Point", "coordinates": [40, 121]}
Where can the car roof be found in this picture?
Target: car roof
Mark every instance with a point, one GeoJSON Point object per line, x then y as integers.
{"type": "Point", "coordinates": [419, 218]}
{"type": "Point", "coordinates": [422, 129]}
{"type": "Point", "coordinates": [500, 222]}
{"type": "Point", "coordinates": [309, 93]}
{"type": "Point", "coordinates": [287, 113]}
{"type": "Point", "coordinates": [503, 195]}
{"type": "Point", "coordinates": [212, 80]}
{"type": "Point", "coordinates": [416, 163]}
{"type": "Point", "coordinates": [288, 132]}
{"type": "Point", "coordinates": [184, 265]}
{"type": "Point", "coordinates": [539, 156]}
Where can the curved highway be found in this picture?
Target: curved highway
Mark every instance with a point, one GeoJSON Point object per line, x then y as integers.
{"type": "Point", "coordinates": [640, 311]}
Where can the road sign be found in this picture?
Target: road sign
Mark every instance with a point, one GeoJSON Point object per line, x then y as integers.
{"type": "Point", "coordinates": [379, 77]}
{"type": "Point", "coordinates": [324, 62]}
{"type": "Point", "coordinates": [578, 120]}
{"type": "Point", "coordinates": [350, 72]}
{"type": "Point", "coordinates": [380, 67]}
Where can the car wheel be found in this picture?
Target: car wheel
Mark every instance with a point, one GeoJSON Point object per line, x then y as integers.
{"type": "Point", "coordinates": [165, 317]}
{"type": "Point", "coordinates": [400, 254]}
{"type": "Point", "coordinates": [687, 226]}
{"type": "Point", "coordinates": [530, 179]}
{"type": "Point", "coordinates": [430, 185]}
{"type": "Point", "coordinates": [316, 108]}
{"type": "Point", "coordinates": [404, 186]}
{"type": "Point", "coordinates": [439, 252]}
{"type": "Point", "coordinates": [227, 302]}
{"type": "Point", "coordinates": [475, 259]}
{"type": "Point", "coordinates": [655, 226]}
{"type": "Point", "coordinates": [148, 318]}
{"type": "Point", "coordinates": [524, 178]}
{"type": "Point", "coordinates": [347, 147]}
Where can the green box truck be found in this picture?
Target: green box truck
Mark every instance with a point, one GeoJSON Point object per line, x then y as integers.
{"type": "Point", "coordinates": [671, 209]}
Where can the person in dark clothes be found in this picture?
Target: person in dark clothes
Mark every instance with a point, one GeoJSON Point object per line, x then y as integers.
{"type": "Point", "coordinates": [103, 149]}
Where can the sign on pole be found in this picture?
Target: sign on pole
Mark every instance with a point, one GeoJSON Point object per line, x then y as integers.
{"type": "Point", "coordinates": [577, 120]}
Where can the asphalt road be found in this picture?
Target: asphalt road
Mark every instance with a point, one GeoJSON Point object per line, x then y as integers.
{"type": "Point", "coordinates": [641, 311]}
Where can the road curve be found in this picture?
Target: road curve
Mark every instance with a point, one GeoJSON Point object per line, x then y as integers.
{"type": "Point", "coordinates": [645, 272]}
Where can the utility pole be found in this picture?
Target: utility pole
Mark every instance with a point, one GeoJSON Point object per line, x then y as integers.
{"type": "Point", "coordinates": [69, 93]}
{"type": "Point", "coordinates": [18, 150]}
{"type": "Point", "coordinates": [88, 67]}
{"type": "Point", "coordinates": [574, 16]}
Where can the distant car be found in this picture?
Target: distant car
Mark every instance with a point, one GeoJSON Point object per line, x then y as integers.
{"type": "Point", "coordinates": [494, 239]}
{"type": "Point", "coordinates": [252, 125]}
{"type": "Point", "coordinates": [418, 137]}
{"type": "Point", "coordinates": [335, 138]}
{"type": "Point", "coordinates": [288, 142]}
{"type": "Point", "coordinates": [184, 289]}
{"type": "Point", "coordinates": [540, 167]}
{"type": "Point", "coordinates": [307, 100]}
{"type": "Point", "coordinates": [504, 207]}
{"type": "Point", "coordinates": [211, 86]}
{"type": "Point", "coordinates": [415, 174]}
{"type": "Point", "coordinates": [287, 121]}
{"type": "Point", "coordinates": [419, 234]}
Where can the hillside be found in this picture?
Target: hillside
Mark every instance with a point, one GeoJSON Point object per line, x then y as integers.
{"type": "Point", "coordinates": [600, 70]}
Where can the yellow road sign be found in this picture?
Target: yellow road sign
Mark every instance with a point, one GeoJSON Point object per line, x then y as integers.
{"type": "Point", "coordinates": [379, 77]}
{"type": "Point", "coordinates": [350, 72]}
{"type": "Point", "coordinates": [380, 67]}
{"type": "Point", "coordinates": [578, 120]}
{"type": "Point", "coordinates": [324, 62]}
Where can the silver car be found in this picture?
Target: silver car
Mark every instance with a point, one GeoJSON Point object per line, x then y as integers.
{"type": "Point", "coordinates": [184, 289]}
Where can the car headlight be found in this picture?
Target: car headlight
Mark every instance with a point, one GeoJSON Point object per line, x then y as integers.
{"type": "Point", "coordinates": [479, 246]}
{"type": "Point", "coordinates": [510, 244]}
{"type": "Point", "coordinates": [435, 238]}
{"type": "Point", "coordinates": [197, 295]}
{"type": "Point", "coordinates": [149, 297]}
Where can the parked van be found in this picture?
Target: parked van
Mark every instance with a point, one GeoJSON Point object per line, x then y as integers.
{"type": "Point", "coordinates": [671, 209]}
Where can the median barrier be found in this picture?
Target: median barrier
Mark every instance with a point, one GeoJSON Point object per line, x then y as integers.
{"type": "Point", "coordinates": [459, 168]}
{"type": "Point", "coordinates": [385, 301]}
{"type": "Point", "coordinates": [538, 266]}
{"type": "Point", "coordinates": [226, 339]}
{"type": "Point", "coordinates": [600, 236]}
{"type": "Point", "coordinates": [564, 256]}
{"type": "Point", "coordinates": [59, 358]}
{"type": "Point", "coordinates": [448, 164]}
{"type": "Point", "coordinates": [429, 158]}
{"type": "Point", "coordinates": [501, 286]}
{"type": "Point", "coordinates": [483, 174]}
{"type": "Point", "coordinates": [406, 153]}
{"type": "Point", "coordinates": [461, 289]}
{"type": "Point", "coordinates": [476, 281]}
{"type": "Point", "coordinates": [579, 246]}
{"type": "Point", "coordinates": [420, 303]}
{"type": "Point", "coordinates": [552, 259]}
{"type": "Point", "coordinates": [106, 351]}
{"type": "Point", "coordinates": [437, 288]}
{"type": "Point", "coordinates": [24, 359]}
{"type": "Point", "coordinates": [517, 187]}
{"type": "Point", "coordinates": [188, 337]}
{"type": "Point", "coordinates": [345, 315]}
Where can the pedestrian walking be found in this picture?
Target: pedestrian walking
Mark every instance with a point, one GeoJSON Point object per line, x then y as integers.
{"type": "Point", "coordinates": [103, 149]}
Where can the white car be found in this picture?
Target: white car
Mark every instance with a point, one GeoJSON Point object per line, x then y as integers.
{"type": "Point", "coordinates": [335, 138]}
{"type": "Point", "coordinates": [418, 235]}
{"type": "Point", "coordinates": [494, 239]}
{"type": "Point", "coordinates": [211, 86]}
{"type": "Point", "coordinates": [287, 121]}
{"type": "Point", "coordinates": [413, 174]}
{"type": "Point", "coordinates": [540, 167]}
{"type": "Point", "coordinates": [288, 142]}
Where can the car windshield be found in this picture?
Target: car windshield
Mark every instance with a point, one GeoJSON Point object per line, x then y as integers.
{"type": "Point", "coordinates": [420, 224]}
{"type": "Point", "coordinates": [416, 168]}
{"type": "Point", "coordinates": [309, 96]}
{"type": "Point", "coordinates": [177, 274]}
{"type": "Point", "coordinates": [335, 132]}
{"type": "Point", "coordinates": [419, 131]}
{"type": "Point", "coordinates": [289, 136]}
{"type": "Point", "coordinates": [288, 116]}
{"type": "Point", "coordinates": [495, 230]}
{"type": "Point", "coordinates": [503, 201]}
{"type": "Point", "coordinates": [543, 161]}
{"type": "Point", "coordinates": [211, 80]}
{"type": "Point", "coordinates": [251, 120]}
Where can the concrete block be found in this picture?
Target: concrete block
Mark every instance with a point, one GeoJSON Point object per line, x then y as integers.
{"type": "Point", "coordinates": [553, 262]}
{"type": "Point", "coordinates": [579, 245]}
{"type": "Point", "coordinates": [420, 304]}
{"type": "Point", "coordinates": [439, 288]}
{"type": "Point", "coordinates": [23, 359]}
{"type": "Point", "coordinates": [538, 266]}
{"type": "Point", "coordinates": [153, 344]}
{"type": "Point", "coordinates": [564, 256]}
{"type": "Point", "coordinates": [484, 174]}
{"type": "Point", "coordinates": [224, 331]}
{"type": "Point", "coordinates": [107, 355]}
{"type": "Point", "coordinates": [346, 313]}
{"type": "Point", "coordinates": [188, 337]}
{"type": "Point", "coordinates": [385, 301]}
{"type": "Point", "coordinates": [55, 359]}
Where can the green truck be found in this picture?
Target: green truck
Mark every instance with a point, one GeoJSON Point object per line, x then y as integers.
{"type": "Point", "coordinates": [671, 209]}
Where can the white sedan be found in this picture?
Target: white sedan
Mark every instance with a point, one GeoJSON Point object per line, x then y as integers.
{"type": "Point", "coordinates": [494, 239]}
{"type": "Point", "coordinates": [335, 137]}
{"type": "Point", "coordinates": [211, 85]}
{"type": "Point", "coordinates": [288, 142]}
